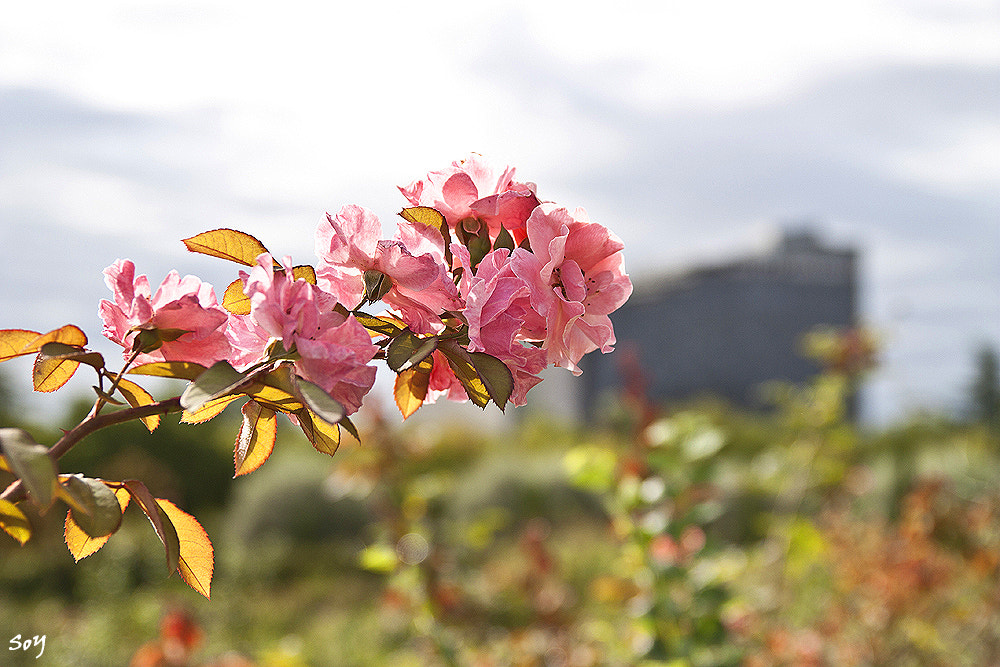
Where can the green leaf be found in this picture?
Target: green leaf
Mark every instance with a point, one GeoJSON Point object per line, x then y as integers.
{"type": "Point", "coordinates": [220, 379]}
{"type": "Point", "coordinates": [408, 349]}
{"type": "Point", "coordinates": [479, 247]}
{"type": "Point", "coordinates": [14, 522]}
{"type": "Point", "coordinates": [377, 324]}
{"type": "Point", "coordinates": [377, 285]}
{"type": "Point", "coordinates": [497, 378]}
{"type": "Point", "coordinates": [319, 402]}
{"type": "Point", "coordinates": [31, 463]}
{"type": "Point", "coordinates": [161, 522]}
{"type": "Point", "coordinates": [461, 363]}
{"type": "Point", "coordinates": [94, 506]}
{"type": "Point", "coordinates": [350, 428]}
{"type": "Point", "coordinates": [324, 437]}
{"type": "Point", "coordinates": [504, 240]}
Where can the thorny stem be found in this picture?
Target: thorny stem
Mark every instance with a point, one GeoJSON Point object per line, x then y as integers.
{"type": "Point", "coordinates": [94, 422]}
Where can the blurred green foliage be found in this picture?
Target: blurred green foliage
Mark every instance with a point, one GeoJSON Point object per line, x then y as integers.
{"type": "Point", "coordinates": [697, 535]}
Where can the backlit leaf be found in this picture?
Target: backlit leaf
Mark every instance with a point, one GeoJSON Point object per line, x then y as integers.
{"type": "Point", "coordinates": [55, 350]}
{"type": "Point", "coordinates": [220, 379]}
{"type": "Point", "coordinates": [304, 272]}
{"type": "Point", "coordinates": [69, 334]}
{"type": "Point", "coordinates": [165, 530]}
{"type": "Point", "coordinates": [407, 350]}
{"type": "Point", "coordinates": [229, 244]}
{"type": "Point", "coordinates": [410, 388]}
{"type": "Point", "coordinates": [13, 342]}
{"type": "Point", "coordinates": [324, 437]}
{"type": "Point", "coordinates": [424, 215]}
{"type": "Point", "coordinates": [182, 370]}
{"type": "Point", "coordinates": [235, 299]}
{"type": "Point", "coordinates": [136, 396]}
{"type": "Point", "coordinates": [14, 522]}
{"type": "Point", "coordinates": [196, 562]}
{"type": "Point", "coordinates": [94, 506]}
{"type": "Point", "coordinates": [31, 463]}
{"type": "Point", "coordinates": [461, 363]}
{"type": "Point", "coordinates": [255, 441]}
{"type": "Point", "coordinates": [382, 325]}
{"type": "Point", "coordinates": [81, 544]}
{"type": "Point", "coordinates": [49, 374]}
{"type": "Point", "coordinates": [208, 411]}
{"type": "Point", "coordinates": [495, 375]}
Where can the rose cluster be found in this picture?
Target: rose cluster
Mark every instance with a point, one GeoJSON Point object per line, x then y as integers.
{"type": "Point", "coordinates": [479, 270]}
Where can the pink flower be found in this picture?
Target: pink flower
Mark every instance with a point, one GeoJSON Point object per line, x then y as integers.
{"type": "Point", "coordinates": [474, 188]}
{"type": "Point", "coordinates": [499, 312]}
{"type": "Point", "coordinates": [333, 350]}
{"type": "Point", "coordinates": [576, 275]}
{"type": "Point", "coordinates": [186, 304]}
{"type": "Point", "coordinates": [348, 245]}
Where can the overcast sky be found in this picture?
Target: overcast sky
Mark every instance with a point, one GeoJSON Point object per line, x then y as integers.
{"type": "Point", "coordinates": [694, 130]}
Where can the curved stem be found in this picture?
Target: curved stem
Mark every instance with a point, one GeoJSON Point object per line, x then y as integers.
{"type": "Point", "coordinates": [94, 423]}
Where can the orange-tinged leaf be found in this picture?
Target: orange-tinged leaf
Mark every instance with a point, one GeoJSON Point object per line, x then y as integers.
{"type": "Point", "coordinates": [229, 244]}
{"type": "Point", "coordinates": [197, 558]}
{"type": "Point", "coordinates": [208, 411]}
{"type": "Point", "coordinates": [14, 522]}
{"type": "Point", "coordinates": [325, 437]}
{"type": "Point", "coordinates": [136, 396]}
{"type": "Point", "coordinates": [49, 374]}
{"type": "Point", "coordinates": [235, 299]}
{"type": "Point", "coordinates": [13, 342]}
{"type": "Point", "coordinates": [162, 524]}
{"type": "Point", "coordinates": [69, 334]}
{"type": "Point", "coordinates": [81, 544]}
{"type": "Point", "coordinates": [411, 385]}
{"type": "Point", "coordinates": [256, 440]}
{"type": "Point", "coordinates": [305, 272]}
{"type": "Point", "coordinates": [182, 370]}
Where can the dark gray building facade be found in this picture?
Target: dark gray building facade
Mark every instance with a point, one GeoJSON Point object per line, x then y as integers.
{"type": "Point", "coordinates": [725, 330]}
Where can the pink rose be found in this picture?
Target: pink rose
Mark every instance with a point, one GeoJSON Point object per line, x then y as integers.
{"type": "Point", "coordinates": [333, 350]}
{"type": "Point", "coordinates": [576, 274]}
{"type": "Point", "coordinates": [348, 245]}
{"type": "Point", "coordinates": [186, 304]}
{"type": "Point", "coordinates": [474, 188]}
{"type": "Point", "coordinates": [499, 312]}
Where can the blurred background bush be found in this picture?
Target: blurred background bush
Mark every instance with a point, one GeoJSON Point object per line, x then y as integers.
{"type": "Point", "coordinates": [685, 535]}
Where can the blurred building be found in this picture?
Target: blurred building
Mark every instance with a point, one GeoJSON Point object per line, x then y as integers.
{"type": "Point", "coordinates": [726, 329]}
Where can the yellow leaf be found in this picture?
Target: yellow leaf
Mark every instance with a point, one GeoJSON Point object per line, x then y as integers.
{"type": "Point", "coordinates": [79, 543]}
{"type": "Point", "coordinates": [424, 215]}
{"type": "Point", "coordinates": [182, 370]}
{"type": "Point", "coordinates": [229, 244]}
{"type": "Point", "coordinates": [13, 342]}
{"type": "Point", "coordinates": [136, 396]}
{"type": "Point", "coordinates": [235, 299]}
{"type": "Point", "coordinates": [197, 558]}
{"type": "Point", "coordinates": [208, 411]}
{"type": "Point", "coordinates": [410, 389]}
{"type": "Point", "coordinates": [51, 374]}
{"type": "Point", "coordinates": [4, 465]}
{"type": "Point", "coordinates": [276, 398]}
{"type": "Point", "coordinates": [255, 441]}
{"type": "Point", "coordinates": [305, 272]}
{"type": "Point", "coordinates": [325, 437]}
{"type": "Point", "coordinates": [69, 334]}
{"type": "Point", "coordinates": [14, 522]}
